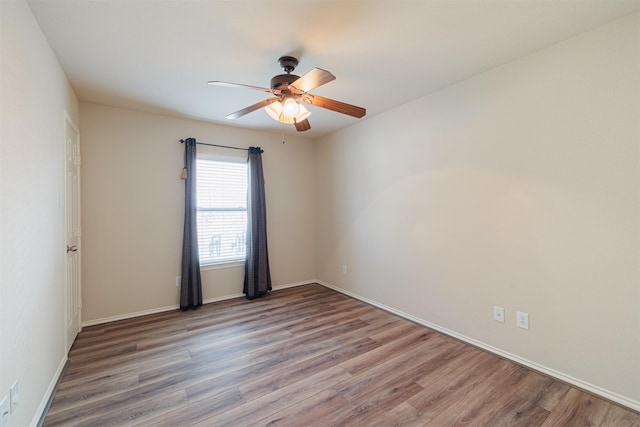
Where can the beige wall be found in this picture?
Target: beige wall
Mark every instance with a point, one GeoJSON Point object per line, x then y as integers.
{"type": "Point", "coordinates": [34, 94]}
{"type": "Point", "coordinates": [519, 188]}
{"type": "Point", "coordinates": [132, 209]}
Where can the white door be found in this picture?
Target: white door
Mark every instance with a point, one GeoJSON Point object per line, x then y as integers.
{"type": "Point", "coordinates": [73, 303]}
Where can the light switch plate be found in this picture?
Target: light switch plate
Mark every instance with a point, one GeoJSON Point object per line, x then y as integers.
{"type": "Point", "coordinates": [522, 320]}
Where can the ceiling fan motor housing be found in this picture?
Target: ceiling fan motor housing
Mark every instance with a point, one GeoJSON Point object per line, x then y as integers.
{"type": "Point", "coordinates": [282, 81]}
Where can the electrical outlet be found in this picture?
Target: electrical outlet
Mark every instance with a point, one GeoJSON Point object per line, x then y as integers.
{"type": "Point", "coordinates": [4, 411]}
{"type": "Point", "coordinates": [522, 320]}
{"type": "Point", "coordinates": [14, 396]}
{"type": "Point", "coordinates": [344, 270]}
{"type": "Point", "coordinates": [498, 314]}
{"type": "Point", "coordinates": [178, 280]}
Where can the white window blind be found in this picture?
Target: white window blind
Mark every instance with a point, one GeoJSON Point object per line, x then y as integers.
{"type": "Point", "coordinates": [222, 211]}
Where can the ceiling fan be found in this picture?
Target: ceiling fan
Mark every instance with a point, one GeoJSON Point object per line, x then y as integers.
{"type": "Point", "coordinates": [289, 90]}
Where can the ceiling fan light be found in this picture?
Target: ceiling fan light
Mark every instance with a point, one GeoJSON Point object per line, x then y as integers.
{"type": "Point", "coordinates": [290, 108]}
{"type": "Point", "coordinates": [302, 114]}
{"type": "Point", "coordinates": [274, 110]}
{"type": "Point", "coordinates": [286, 120]}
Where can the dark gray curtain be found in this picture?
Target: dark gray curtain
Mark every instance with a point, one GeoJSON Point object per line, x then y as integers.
{"type": "Point", "coordinates": [257, 278]}
{"type": "Point", "coordinates": [191, 285]}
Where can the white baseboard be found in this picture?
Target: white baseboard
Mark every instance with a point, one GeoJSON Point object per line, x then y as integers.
{"type": "Point", "coordinates": [293, 285]}
{"type": "Point", "coordinates": [38, 417]}
{"type": "Point", "coordinates": [606, 394]}
{"type": "Point", "coordinates": [177, 306]}
{"type": "Point", "coordinates": [129, 315]}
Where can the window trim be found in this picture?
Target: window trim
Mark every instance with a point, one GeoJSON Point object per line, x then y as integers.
{"type": "Point", "coordinates": [222, 264]}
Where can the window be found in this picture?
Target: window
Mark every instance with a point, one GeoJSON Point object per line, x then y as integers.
{"type": "Point", "coordinates": [222, 211]}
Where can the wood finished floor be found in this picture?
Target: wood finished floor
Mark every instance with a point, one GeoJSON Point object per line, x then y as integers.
{"type": "Point", "coordinates": [300, 357]}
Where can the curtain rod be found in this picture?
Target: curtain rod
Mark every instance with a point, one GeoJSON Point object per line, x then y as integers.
{"type": "Point", "coordinates": [182, 141]}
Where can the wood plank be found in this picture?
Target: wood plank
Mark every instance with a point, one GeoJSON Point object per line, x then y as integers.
{"type": "Point", "coordinates": [578, 408]}
{"type": "Point", "coordinates": [304, 356]}
{"type": "Point", "coordinates": [272, 402]}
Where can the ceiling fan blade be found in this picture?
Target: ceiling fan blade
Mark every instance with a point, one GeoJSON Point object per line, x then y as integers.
{"type": "Point", "coordinates": [238, 85]}
{"type": "Point", "coordinates": [303, 125]}
{"type": "Point", "coordinates": [251, 108]}
{"type": "Point", "coordinates": [313, 79]}
{"type": "Point", "coordinates": [333, 105]}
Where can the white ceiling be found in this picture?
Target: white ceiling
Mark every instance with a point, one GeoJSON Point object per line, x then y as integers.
{"type": "Point", "coordinates": [157, 56]}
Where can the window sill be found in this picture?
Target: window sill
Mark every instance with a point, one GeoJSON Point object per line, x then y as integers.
{"type": "Point", "coordinates": [229, 264]}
